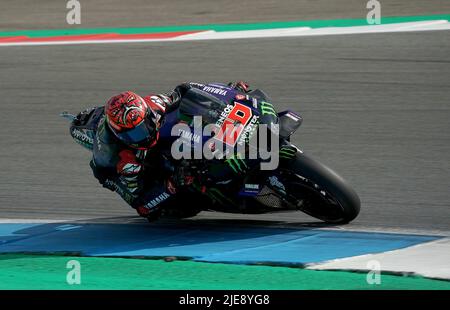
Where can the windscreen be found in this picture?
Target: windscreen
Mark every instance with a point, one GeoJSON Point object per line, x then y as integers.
{"type": "Point", "coordinates": [196, 102]}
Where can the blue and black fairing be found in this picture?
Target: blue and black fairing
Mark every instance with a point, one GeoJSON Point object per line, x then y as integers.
{"type": "Point", "coordinates": [210, 100]}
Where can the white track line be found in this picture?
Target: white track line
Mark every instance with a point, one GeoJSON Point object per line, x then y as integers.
{"type": "Point", "coordinates": [305, 31]}
{"type": "Point", "coordinates": [243, 34]}
{"type": "Point", "coordinates": [423, 25]}
{"type": "Point", "coordinates": [431, 259]}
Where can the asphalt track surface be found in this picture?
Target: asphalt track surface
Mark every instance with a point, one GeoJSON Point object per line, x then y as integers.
{"type": "Point", "coordinates": [376, 109]}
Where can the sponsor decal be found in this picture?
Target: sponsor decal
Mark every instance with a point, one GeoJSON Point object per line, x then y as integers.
{"type": "Point", "coordinates": [267, 109]}
{"type": "Point", "coordinates": [288, 152]}
{"type": "Point", "coordinates": [131, 168]}
{"type": "Point", "coordinates": [165, 98]}
{"type": "Point", "coordinates": [99, 145]}
{"type": "Point", "coordinates": [154, 202]}
{"type": "Point", "coordinates": [189, 136]}
{"type": "Point", "coordinates": [292, 116]}
{"type": "Point", "coordinates": [224, 182]}
{"type": "Point", "coordinates": [141, 154]}
{"type": "Point", "coordinates": [82, 136]}
{"type": "Point", "coordinates": [240, 97]}
{"type": "Point", "coordinates": [197, 84]}
{"type": "Point", "coordinates": [249, 130]}
{"type": "Point", "coordinates": [224, 114]}
{"type": "Point", "coordinates": [215, 90]}
{"type": "Point", "coordinates": [251, 190]}
{"type": "Point", "coordinates": [157, 100]}
{"type": "Point", "coordinates": [237, 164]}
{"type": "Point", "coordinates": [232, 122]}
{"type": "Point", "coordinates": [100, 131]}
{"type": "Point", "coordinates": [255, 103]}
{"type": "Point", "coordinates": [252, 186]}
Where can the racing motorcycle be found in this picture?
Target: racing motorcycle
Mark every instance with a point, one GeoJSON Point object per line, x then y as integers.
{"type": "Point", "coordinates": [299, 182]}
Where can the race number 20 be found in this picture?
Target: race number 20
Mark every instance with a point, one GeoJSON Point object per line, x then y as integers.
{"type": "Point", "coordinates": [234, 124]}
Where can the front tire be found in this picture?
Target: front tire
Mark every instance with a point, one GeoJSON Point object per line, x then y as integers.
{"type": "Point", "coordinates": [321, 192]}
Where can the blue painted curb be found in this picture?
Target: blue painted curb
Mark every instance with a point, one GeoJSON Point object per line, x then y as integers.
{"type": "Point", "coordinates": [203, 243]}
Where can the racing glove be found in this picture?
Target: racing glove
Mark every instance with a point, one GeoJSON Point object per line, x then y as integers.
{"type": "Point", "coordinates": [240, 85]}
{"type": "Point", "coordinates": [181, 177]}
{"type": "Point", "coordinates": [176, 95]}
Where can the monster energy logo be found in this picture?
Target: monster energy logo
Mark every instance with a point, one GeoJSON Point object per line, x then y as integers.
{"type": "Point", "coordinates": [267, 109]}
{"type": "Point", "coordinates": [287, 152]}
{"type": "Point", "coordinates": [237, 164]}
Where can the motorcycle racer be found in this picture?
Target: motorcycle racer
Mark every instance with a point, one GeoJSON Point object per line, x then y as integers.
{"type": "Point", "coordinates": [150, 154]}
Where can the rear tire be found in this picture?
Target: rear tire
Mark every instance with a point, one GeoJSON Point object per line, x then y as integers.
{"type": "Point", "coordinates": [325, 194]}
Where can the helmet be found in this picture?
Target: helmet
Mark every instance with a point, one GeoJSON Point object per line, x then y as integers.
{"type": "Point", "coordinates": [131, 120]}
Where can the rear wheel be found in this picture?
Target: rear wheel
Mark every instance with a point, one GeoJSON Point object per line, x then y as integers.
{"type": "Point", "coordinates": [318, 191]}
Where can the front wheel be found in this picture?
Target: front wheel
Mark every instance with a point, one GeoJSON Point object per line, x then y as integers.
{"type": "Point", "coordinates": [318, 191]}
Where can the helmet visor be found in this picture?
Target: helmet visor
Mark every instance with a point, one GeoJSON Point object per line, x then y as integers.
{"type": "Point", "coordinates": [140, 135]}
